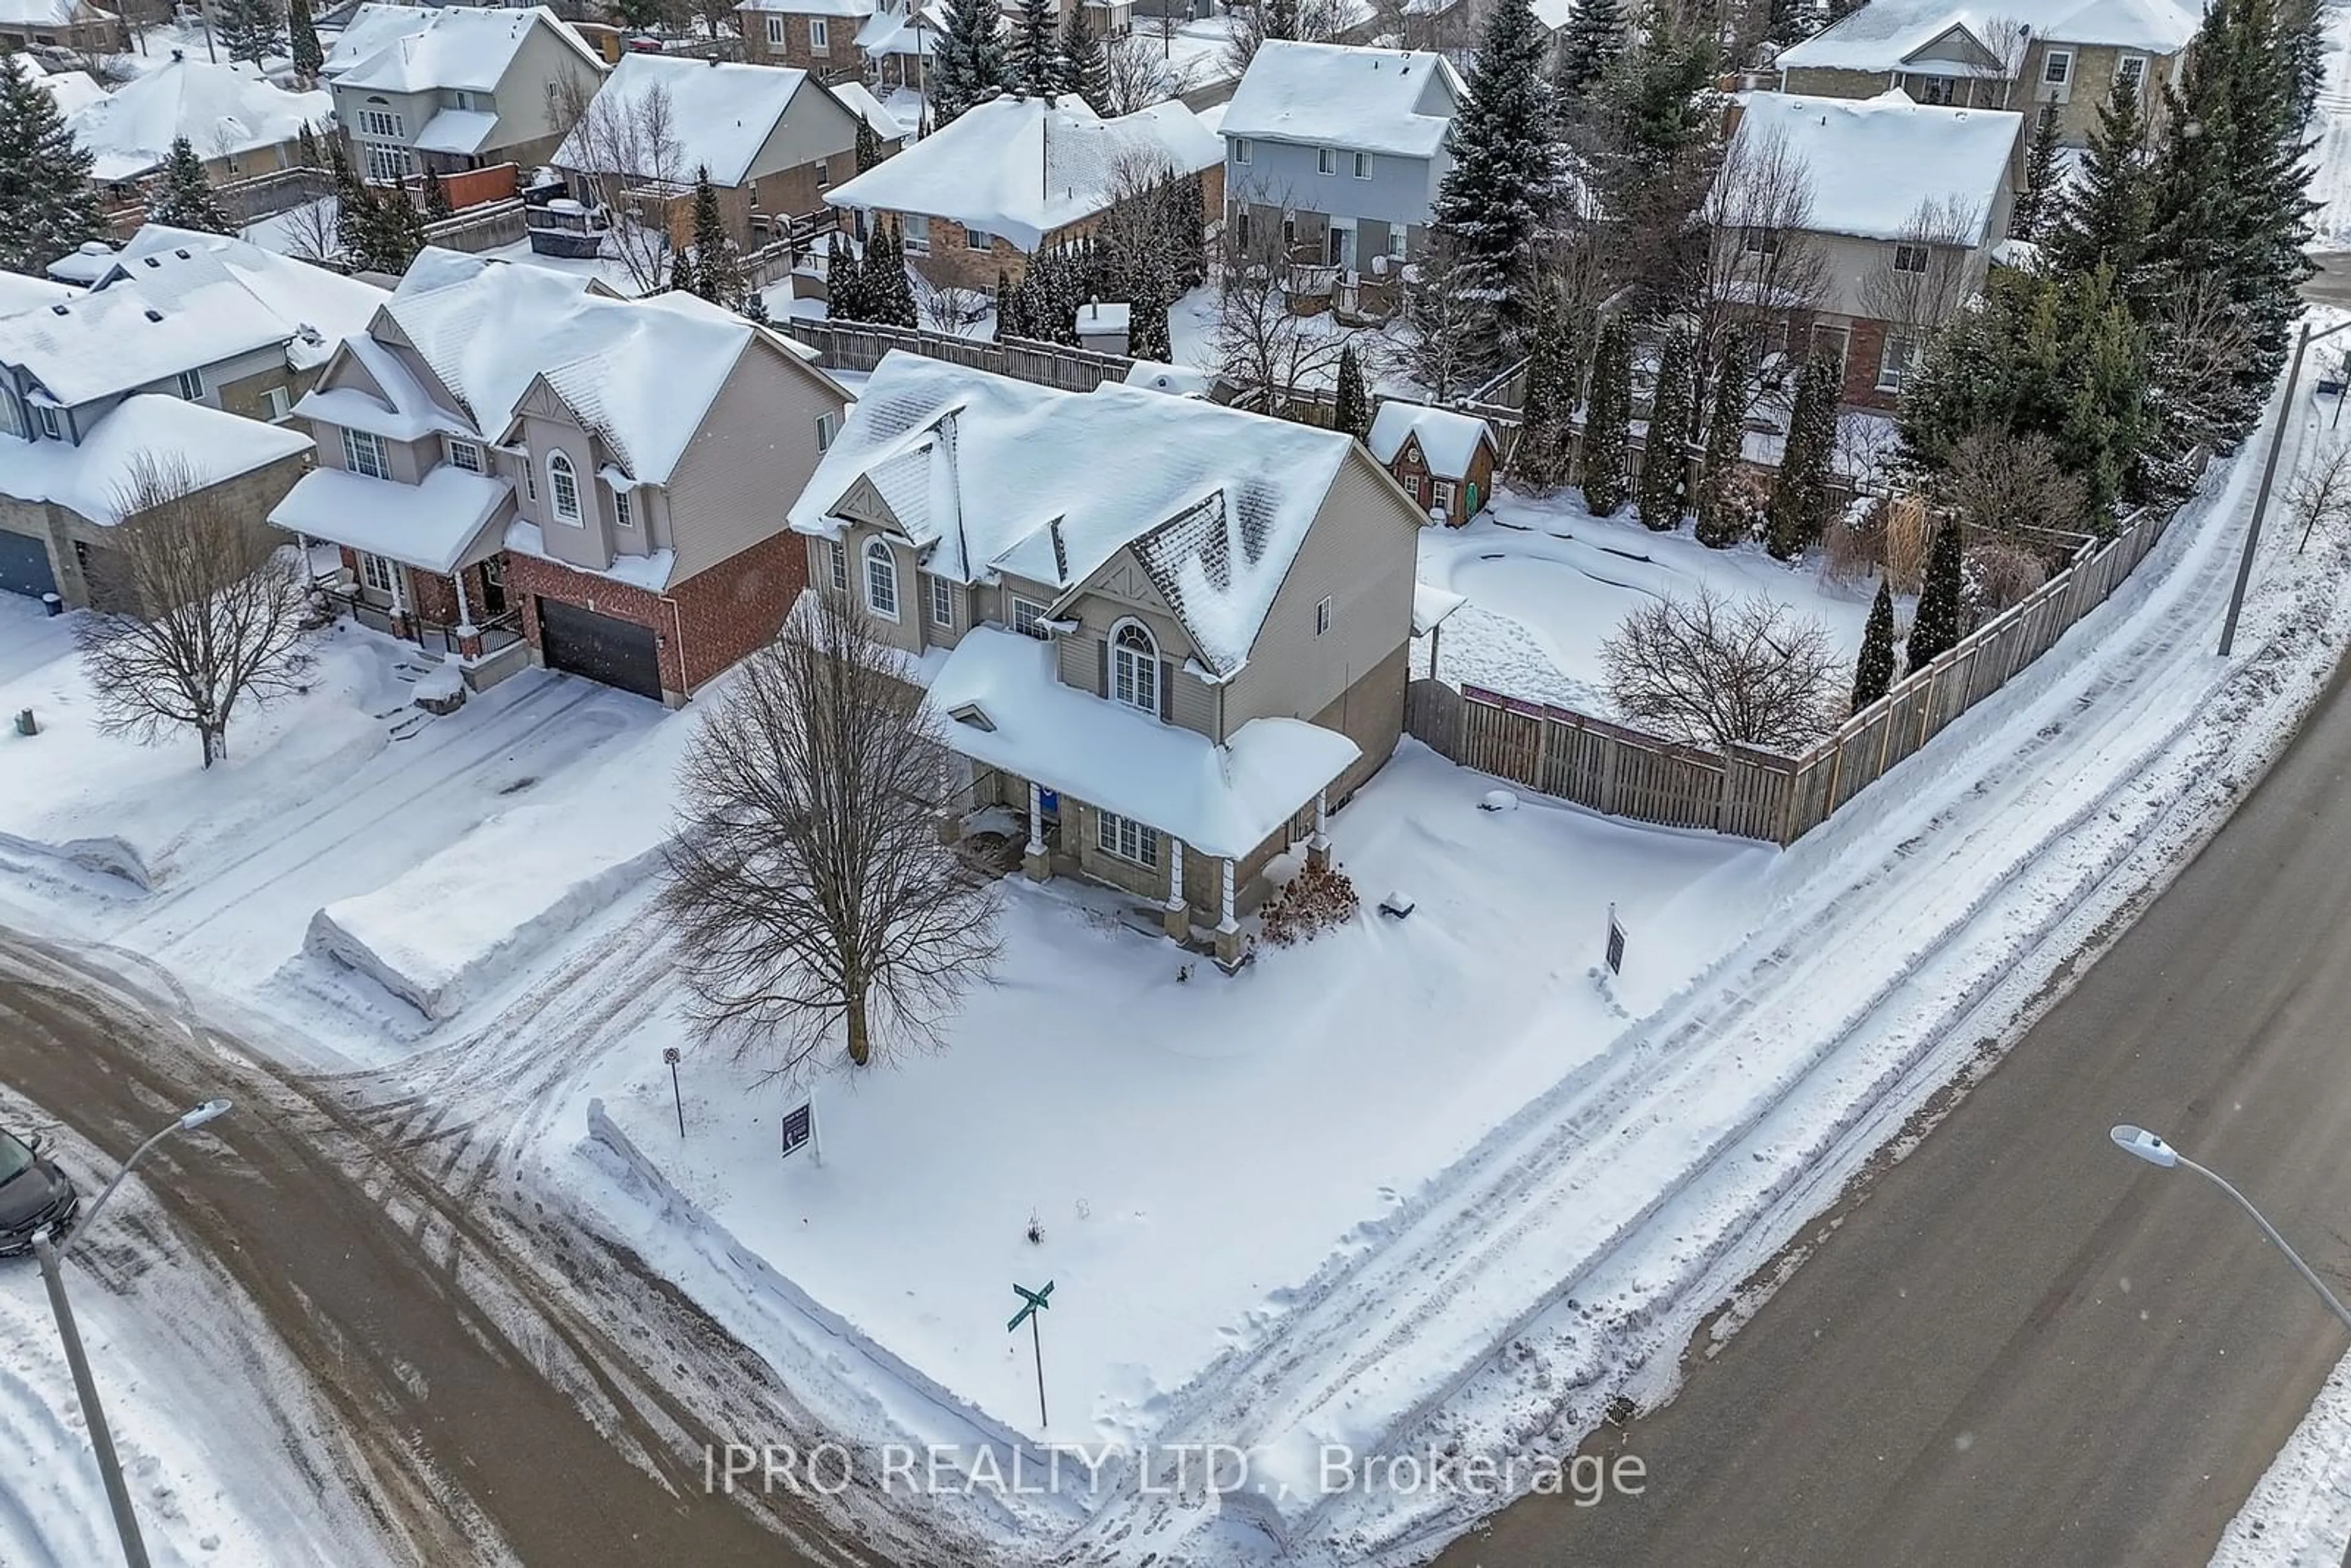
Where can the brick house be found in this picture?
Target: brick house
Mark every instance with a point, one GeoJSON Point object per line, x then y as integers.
{"type": "Point", "coordinates": [2060, 58]}
{"type": "Point", "coordinates": [819, 36]}
{"type": "Point", "coordinates": [523, 467]}
{"type": "Point", "coordinates": [773, 138]}
{"type": "Point", "coordinates": [1445, 461]}
{"type": "Point", "coordinates": [1013, 176]}
{"type": "Point", "coordinates": [1166, 636]}
{"type": "Point", "coordinates": [74, 24]}
{"type": "Point", "coordinates": [191, 346]}
{"type": "Point", "coordinates": [1906, 203]}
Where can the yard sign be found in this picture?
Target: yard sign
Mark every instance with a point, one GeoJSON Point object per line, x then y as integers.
{"type": "Point", "coordinates": [1615, 943]}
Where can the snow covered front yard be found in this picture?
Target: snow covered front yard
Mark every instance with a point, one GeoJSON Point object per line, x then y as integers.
{"type": "Point", "coordinates": [1547, 582]}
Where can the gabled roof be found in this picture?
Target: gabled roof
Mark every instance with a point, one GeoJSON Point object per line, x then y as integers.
{"type": "Point", "coordinates": [221, 110]}
{"type": "Point", "coordinates": [987, 477]}
{"type": "Point", "coordinates": [860, 103]}
{"type": "Point", "coordinates": [1396, 101]}
{"type": "Point", "coordinates": [1874, 162]}
{"type": "Point", "coordinates": [1448, 441]}
{"type": "Point", "coordinates": [893, 29]}
{"type": "Point", "coordinates": [1022, 168]}
{"type": "Point", "coordinates": [1889, 34]}
{"type": "Point", "coordinates": [720, 114]}
{"type": "Point", "coordinates": [175, 301]}
{"type": "Point", "coordinates": [417, 48]}
{"type": "Point", "coordinates": [71, 89]}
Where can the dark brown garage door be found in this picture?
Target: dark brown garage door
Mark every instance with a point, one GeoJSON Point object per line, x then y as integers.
{"type": "Point", "coordinates": [601, 647]}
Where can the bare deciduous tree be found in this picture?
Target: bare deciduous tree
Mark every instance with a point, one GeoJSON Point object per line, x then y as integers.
{"type": "Point", "coordinates": [1136, 73]}
{"type": "Point", "coordinates": [1999, 483]}
{"type": "Point", "coordinates": [202, 609]}
{"type": "Point", "coordinates": [1923, 281]}
{"type": "Point", "coordinates": [951, 308]}
{"type": "Point", "coordinates": [1997, 574]}
{"type": "Point", "coordinates": [1258, 341]}
{"type": "Point", "coordinates": [2201, 342]}
{"type": "Point", "coordinates": [1758, 262]}
{"type": "Point", "coordinates": [810, 897]}
{"type": "Point", "coordinates": [1253, 23]}
{"type": "Point", "coordinates": [626, 156]}
{"type": "Point", "coordinates": [2320, 491]}
{"type": "Point", "coordinates": [1712, 672]}
{"type": "Point", "coordinates": [308, 232]}
{"type": "Point", "coordinates": [2009, 38]}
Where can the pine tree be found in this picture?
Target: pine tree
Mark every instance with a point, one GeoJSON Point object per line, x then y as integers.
{"type": "Point", "coordinates": [1873, 671]}
{"type": "Point", "coordinates": [717, 271]}
{"type": "Point", "coordinates": [185, 198]}
{"type": "Point", "coordinates": [869, 145]}
{"type": "Point", "coordinates": [1147, 330]}
{"type": "Point", "coordinates": [970, 65]}
{"type": "Point", "coordinates": [46, 204]}
{"type": "Point", "coordinates": [355, 205]}
{"type": "Point", "coordinates": [2036, 205]}
{"type": "Point", "coordinates": [1351, 411]}
{"type": "Point", "coordinates": [1037, 51]}
{"type": "Point", "coordinates": [437, 198]}
{"type": "Point", "coordinates": [2302, 29]}
{"type": "Point", "coordinates": [1665, 461]}
{"type": "Point", "coordinates": [1004, 305]}
{"type": "Point", "coordinates": [1720, 524]}
{"type": "Point", "coordinates": [1934, 628]}
{"type": "Point", "coordinates": [1546, 415]}
{"type": "Point", "coordinates": [302, 41]}
{"type": "Point", "coordinates": [2104, 221]}
{"type": "Point", "coordinates": [1800, 493]}
{"type": "Point", "coordinates": [250, 29]}
{"type": "Point", "coordinates": [306, 146]}
{"type": "Point", "coordinates": [840, 280]}
{"type": "Point", "coordinates": [891, 294]}
{"type": "Point", "coordinates": [1607, 421]}
{"type": "Point", "coordinates": [1506, 175]}
{"type": "Point", "coordinates": [1083, 69]}
{"type": "Point", "coordinates": [681, 270]}
{"type": "Point", "coordinates": [1790, 22]}
{"type": "Point", "coordinates": [754, 307]}
{"type": "Point", "coordinates": [1588, 46]}
{"type": "Point", "coordinates": [397, 231]}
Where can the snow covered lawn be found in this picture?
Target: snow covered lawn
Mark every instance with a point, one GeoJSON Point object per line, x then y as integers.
{"type": "Point", "coordinates": [1548, 582]}
{"type": "Point", "coordinates": [1157, 1126]}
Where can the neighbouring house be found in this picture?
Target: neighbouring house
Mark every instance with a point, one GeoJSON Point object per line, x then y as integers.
{"type": "Point", "coordinates": [1012, 176]}
{"type": "Point", "coordinates": [1907, 200]}
{"type": "Point", "coordinates": [1166, 636]}
{"type": "Point", "coordinates": [2060, 58]}
{"type": "Point", "coordinates": [773, 139]}
{"type": "Point", "coordinates": [521, 466]}
{"type": "Point", "coordinates": [71, 89]}
{"type": "Point", "coordinates": [887, 128]}
{"type": "Point", "coordinates": [239, 124]}
{"type": "Point", "coordinates": [1444, 460]}
{"type": "Point", "coordinates": [73, 25]}
{"type": "Point", "coordinates": [18, 292]}
{"type": "Point", "coordinates": [1341, 148]}
{"type": "Point", "coordinates": [820, 36]}
{"type": "Point", "coordinates": [452, 89]}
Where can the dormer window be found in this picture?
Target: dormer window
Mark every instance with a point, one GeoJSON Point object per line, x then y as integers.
{"type": "Point", "coordinates": [464, 454]}
{"type": "Point", "coordinates": [563, 488]}
{"type": "Point", "coordinates": [363, 454]}
{"type": "Point", "coordinates": [1134, 668]}
{"type": "Point", "coordinates": [51, 424]}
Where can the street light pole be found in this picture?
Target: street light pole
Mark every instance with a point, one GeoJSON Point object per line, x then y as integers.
{"type": "Point", "coordinates": [52, 1257]}
{"type": "Point", "coordinates": [2141, 1144]}
{"type": "Point", "coordinates": [2269, 474]}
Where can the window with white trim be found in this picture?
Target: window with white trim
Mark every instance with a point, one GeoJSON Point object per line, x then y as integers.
{"type": "Point", "coordinates": [2057, 68]}
{"type": "Point", "coordinates": [836, 556]}
{"type": "Point", "coordinates": [828, 426]}
{"type": "Point", "coordinates": [381, 123]}
{"type": "Point", "coordinates": [819, 35]}
{"type": "Point", "coordinates": [191, 384]}
{"type": "Point", "coordinates": [529, 480]}
{"type": "Point", "coordinates": [942, 602]}
{"type": "Point", "coordinates": [464, 454]}
{"type": "Point", "coordinates": [1322, 615]}
{"type": "Point", "coordinates": [1910, 258]}
{"type": "Point", "coordinates": [376, 572]}
{"type": "Point", "coordinates": [12, 414]}
{"type": "Point", "coordinates": [1443, 490]}
{"type": "Point", "coordinates": [624, 515]}
{"type": "Point", "coordinates": [385, 164]}
{"type": "Point", "coordinates": [1026, 614]}
{"type": "Point", "coordinates": [1362, 165]}
{"type": "Point", "coordinates": [775, 32]}
{"type": "Point", "coordinates": [563, 487]}
{"type": "Point", "coordinates": [978, 239]}
{"type": "Point", "coordinates": [1243, 149]}
{"type": "Point", "coordinates": [1326, 160]}
{"type": "Point", "coordinates": [880, 579]}
{"type": "Point", "coordinates": [1126, 838]}
{"type": "Point", "coordinates": [1894, 363]}
{"type": "Point", "coordinates": [281, 404]}
{"type": "Point", "coordinates": [1396, 242]}
{"type": "Point", "coordinates": [363, 454]}
{"type": "Point", "coordinates": [916, 234]}
{"type": "Point", "coordinates": [1134, 668]}
{"type": "Point", "coordinates": [52, 426]}
{"type": "Point", "coordinates": [2132, 68]}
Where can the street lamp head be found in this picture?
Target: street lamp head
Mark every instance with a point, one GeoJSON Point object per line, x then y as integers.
{"type": "Point", "coordinates": [2141, 1144]}
{"type": "Point", "coordinates": [211, 1110]}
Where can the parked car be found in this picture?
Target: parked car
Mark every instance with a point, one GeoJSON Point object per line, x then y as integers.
{"type": "Point", "coordinates": [644, 45]}
{"type": "Point", "coordinates": [33, 1194]}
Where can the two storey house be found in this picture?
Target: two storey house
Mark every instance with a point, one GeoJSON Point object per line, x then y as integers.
{"type": "Point", "coordinates": [237, 123]}
{"type": "Point", "coordinates": [187, 353]}
{"type": "Point", "coordinates": [452, 89]}
{"type": "Point", "coordinates": [1167, 635]}
{"type": "Point", "coordinates": [523, 467]}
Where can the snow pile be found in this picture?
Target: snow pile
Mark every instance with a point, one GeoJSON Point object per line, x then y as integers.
{"type": "Point", "coordinates": [2300, 1514]}
{"type": "Point", "coordinates": [220, 109]}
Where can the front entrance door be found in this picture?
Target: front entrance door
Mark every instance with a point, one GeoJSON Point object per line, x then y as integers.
{"type": "Point", "coordinates": [494, 586]}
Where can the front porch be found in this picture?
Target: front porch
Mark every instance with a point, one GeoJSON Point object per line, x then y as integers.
{"type": "Point", "coordinates": [463, 615]}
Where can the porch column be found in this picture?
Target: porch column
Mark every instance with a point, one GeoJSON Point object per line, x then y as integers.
{"type": "Point", "coordinates": [1032, 860]}
{"type": "Point", "coordinates": [401, 624]}
{"type": "Point", "coordinates": [468, 635]}
{"type": "Point", "coordinates": [1175, 915]}
{"type": "Point", "coordinates": [1318, 848]}
{"type": "Point", "coordinates": [1228, 930]}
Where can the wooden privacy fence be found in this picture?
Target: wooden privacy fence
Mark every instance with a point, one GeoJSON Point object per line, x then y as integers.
{"type": "Point", "coordinates": [859, 346]}
{"type": "Point", "coordinates": [1753, 793]}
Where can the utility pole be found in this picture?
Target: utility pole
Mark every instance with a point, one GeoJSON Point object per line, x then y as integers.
{"type": "Point", "coordinates": [2269, 477]}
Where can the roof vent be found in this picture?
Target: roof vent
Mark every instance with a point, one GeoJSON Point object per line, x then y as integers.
{"type": "Point", "coordinates": [57, 309]}
{"type": "Point", "coordinates": [153, 313]}
{"type": "Point", "coordinates": [181, 255]}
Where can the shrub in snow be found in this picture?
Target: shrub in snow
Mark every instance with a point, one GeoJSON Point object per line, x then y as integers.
{"type": "Point", "coordinates": [1996, 574]}
{"type": "Point", "coordinates": [1936, 624]}
{"type": "Point", "coordinates": [1316, 899]}
{"type": "Point", "coordinates": [1498, 800]}
{"type": "Point", "coordinates": [1713, 672]}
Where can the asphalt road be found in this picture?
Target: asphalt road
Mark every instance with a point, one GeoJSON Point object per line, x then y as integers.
{"type": "Point", "coordinates": [487, 1411]}
{"type": "Point", "coordinates": [2018, 1345]}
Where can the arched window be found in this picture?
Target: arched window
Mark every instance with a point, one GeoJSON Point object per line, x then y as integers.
{"type": "Point", "coordinates": [563, 487]}
{"type": "Point", "coordinates": [1134, 668]}
{"type": "Point", "coordinates": [880, 579]}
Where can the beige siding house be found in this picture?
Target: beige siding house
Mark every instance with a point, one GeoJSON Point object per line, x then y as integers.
{"type": "Point", "coordinates": [1166, 636]}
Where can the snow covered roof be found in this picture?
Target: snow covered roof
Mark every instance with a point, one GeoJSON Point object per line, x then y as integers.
{"type": "Point", "coordinates": [1022, 168]}
{"type": "Point", "coordinates": [439, 524]}
{"type": "Point", "coordinates": [221, 110]}
{"type": "Point", "coordinates": [173, 301]}
{"type": "Point", "coordinates": [1448, 441]}
{"type": "Point", "coordinates": [640, 373]}
{"type": "Point", "coordinates": [650, 571]}
{"type": "Point", "coordinates": [1890, 35]}
{"type": "Point", "coordinates": [1396, 102]}
{"type": "Point", "coordinates": [90, 478]}
{"type": "Point", "coordinates": [869, 108]}
{"type": "Point", "coordinates": [720, 113]}
{"type": "Point", "coordinates": [71, 89]}
{"type": "Point", "coordinates": [1433, 606]}
{"type": "Point", "coordinates": [1875, 161]}
{"type": "Point", "coordinates": [457, 131]}
{"type": "Point", "coordinates": [987, 476]}
{"type": "Point", "coordinates": [892, 29]}
{"type": "Point", "coordinates": [419, 48]}
{"type": "Point", "coordinates": [1222, 800]}
{"type": "Point", "coordinates": [812, 7]}
{"type": "Point", "coordinates": [44, 13]}
{"type": "Point", "coordinates": [18, 292]}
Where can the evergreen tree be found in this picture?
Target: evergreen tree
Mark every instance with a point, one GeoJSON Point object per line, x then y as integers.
{"type": "Point", "coordinates": [306, 147]}
{"type": "Point", "coordinates": [1352, 410]}
{"type": "Point", "coordinates": [250, 29]}
{"type": "Point", "coordinates": [1935, 629]}
{"type": "Point", "coordinates": [1004, 297]}
{"type": "Point", "coordinates": [754, 307]}
{"type": "Point", "coordinates": [47, 205]}
{"type": "Point", "coordinates": [1665, 461]}
{"type": "Point", "coordinates": [184, 198]}
{"type": "Point", "coordinates": [2303, 23]}
{"type": "Point", "coordinates": [1084, 71]}
{"type": "Point", "coordinates": [1507, 165]}
{"type": "Point", "coordinates": [1147, 330]}
{"type": "Point", "coordinates": [397, 231]}
{"type": "Point", "coordinates": [1588, 46]}
{"type": "Point", "coordinates": [1037, 51]}
{"type": "Point", "coordinates": [354, 203]}
{"type": "Point", "coordinates": [1607, 421]}
{"type": "Point", "coordinates": [437, 198]}
{"type": "Point", "coordinates": [1800, 494]}
{"type": "Point", "coordinates": [681, 270]}
{"type": "Point", "coordinates": [1719, 524]}
{"type": "Point", "coordinates": [1873, 671]}
{"type": "Point", "coordinates": [1790, 22]}
{"type": "Point", "coordinates": [2104, 221]}
{"type": "Point", "coordinates": [970, 65]}
{"type": "Point", "coordinates": [2036, 205]}
{"type": "Point", "coordinates": [892, 291]}
{"type": "Point", "coordinates": [302, 41]}
{"type": "Point", "coordinates": [1547, 414]}
{"type": "Point", "coordinates": [869, 145]}
{"type": "Point", "coordinates": [717, 271]}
